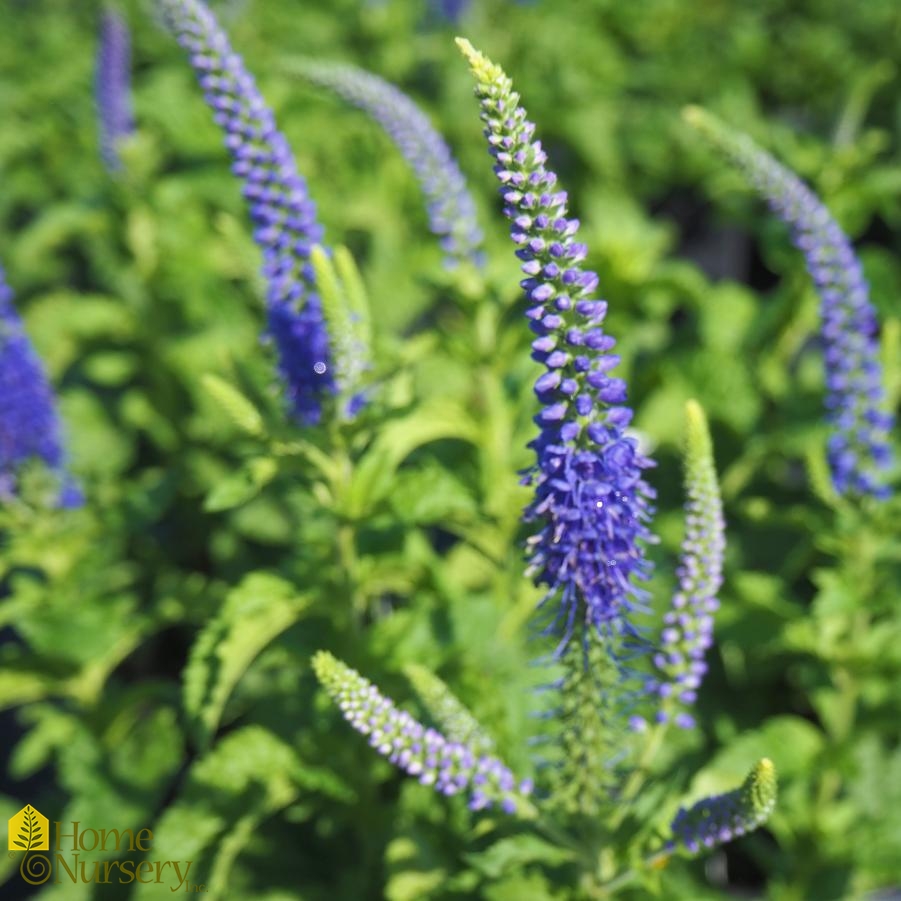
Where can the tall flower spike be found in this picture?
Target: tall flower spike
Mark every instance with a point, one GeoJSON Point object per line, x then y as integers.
{"type": "Point", "coordinates": [451, 210]}
{"type": "Point", "coordinates": [450, 766]}
{"type": "Point", "coordinates": [113, 87]}
{"type": "Point", "coordinates": [591, 503]}
{"type": "Point", "coordinates": [29, 425]}
{"type": "Point", "coordinates": [688, 627]}
{"type": "Point", "coordinates": [858, 448]}
{"type": "Point", "coordinates": [721, 818]}
{"type": "Point", "coordinates": [283, 214]}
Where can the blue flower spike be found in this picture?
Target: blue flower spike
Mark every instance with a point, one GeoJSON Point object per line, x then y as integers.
{"type": "Point", "coordinates": [30, 429]}
{"type": "Point", "coordinates": [284, 216]}
{"type": "Point", "coordinates": [858, 450]}
{"type": "Point", "coordinates": [451, 209]}
{"type": "Point", "coordinates": [591, 504]}
{"type": "Point", "coordinates": [451, 767]}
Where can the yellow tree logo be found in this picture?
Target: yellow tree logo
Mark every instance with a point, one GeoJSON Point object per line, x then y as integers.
{"type": "Point", "coordinates": [29, 830]}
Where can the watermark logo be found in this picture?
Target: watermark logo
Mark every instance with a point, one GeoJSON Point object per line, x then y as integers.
{"type": "Point", "coordinates": [29, 830]}
{"type": "Point", "coordinates": [73, 852]}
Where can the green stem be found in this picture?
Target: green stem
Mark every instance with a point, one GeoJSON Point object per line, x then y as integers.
{"type": "Point", "coordinates": [601, 890]}
{"type": "Point", "coordinates": [346, 538]}
{"type": "Point", "coordinates": [638, 776]}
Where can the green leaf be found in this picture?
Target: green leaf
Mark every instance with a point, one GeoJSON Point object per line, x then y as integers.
{"type": "Point", "coordinates": [372, 479]}
{"type": "Point", "coordinates": [244, 779]}
{"type": "Point", "coordinates": [242, 486]}
{"type": "Point", "coordinates": [793, 744]}
{"type": "Point", "coordinates": [235, 405]}
{"type": "Point", "coordinates": [19, 687]}
{"type": "Point", "coordinates": [354, 293]}
{"type": "Point", "coordinates": [253, 615]}
{"type": "Point", "coordinates": [512, 853]}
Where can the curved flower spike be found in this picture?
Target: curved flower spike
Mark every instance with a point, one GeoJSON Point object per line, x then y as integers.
{"type": "Point", "coordinates": [591, 503]}
{"type": "Point", "coordinates": [450, 766]}
{"type": "Point", "coordinates": [283, 214]}
{"type": "Point", "coordinates": [451, 209]}
{"type": "Point", "coordinates": [29, 424]}
{"type": "Point", "coordinates": [688, 631]}
{"type": "Point", "coordinates": [721, 818]}
{"type": "Point", "coordinates": [858, 448]}
{"type": "Point", "coordinates": [113, 87]}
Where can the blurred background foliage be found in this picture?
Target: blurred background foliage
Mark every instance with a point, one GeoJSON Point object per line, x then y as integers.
{"type": "Point", "coordinates": [155, 645]}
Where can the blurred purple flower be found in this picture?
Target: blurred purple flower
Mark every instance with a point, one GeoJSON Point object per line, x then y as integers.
{"type": "Point", "coordinates": [718, 819]}
{"type": "Point", "coordinates": [451, 210]}
{"type": "Point", "coordinates": [113, 87]}
{"type": "Point", "coordinates": [858, 449]}
{"type": "Point", "coordinates": [284, 217]}
{"type": "Point", "coordinates": [29, 424]}
{"type": "Point", "coordinates": [450, 767]}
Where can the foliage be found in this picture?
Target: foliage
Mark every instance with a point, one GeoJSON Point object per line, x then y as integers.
{"type": "Point", "coordinates": [156, 645]}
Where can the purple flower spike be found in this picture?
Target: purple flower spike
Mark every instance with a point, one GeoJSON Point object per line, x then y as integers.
{"type": "Point", "coordinates": [29, 424]}
{"type": "Point", "coordinates": [450, 767]}
{"type": "Point", "coordinates": [688, 625]}
{"type": "Point", "coordinates": [451, 210]}
{"type": "Point", "coordinates": [721, 818]}
{"type": "Point", "coordinates": [284, 217]}
{"type": "Point", "coordinates": [858, 449]}
{"type": "Point", "coordinates": [591, 504]}
{"type": "Point", "coordinates": [113, 87]}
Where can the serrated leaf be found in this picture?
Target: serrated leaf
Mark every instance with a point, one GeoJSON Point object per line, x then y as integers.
{"type": "Point", "coordinates": [242, 486]}
{"type": "Point", "coordinates": [253, 615]}
{"type": "Point", "coordinates": [248, 776]}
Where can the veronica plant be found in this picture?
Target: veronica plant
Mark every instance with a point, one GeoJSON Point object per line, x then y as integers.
{"type": "Point", "coordinates": [29, 425]}
{"type": "Point", "coordinates": [688, 625]}
{"type": "Point", "coordinates": [591, 503]}
{"type": "Point", "coordinates": [451, 210]}
{"type": "Point", "coordinates": [858, 449]}
{"type": "Point", "coordinates": [283, 214]}
{"type": "Point", "coordinates": [113, 87]}
{"type": "Point", "coordinates": [590, 517]}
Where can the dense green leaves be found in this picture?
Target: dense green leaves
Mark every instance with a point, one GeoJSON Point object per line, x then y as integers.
{"type": "Point", "coordinates": [155, 646]}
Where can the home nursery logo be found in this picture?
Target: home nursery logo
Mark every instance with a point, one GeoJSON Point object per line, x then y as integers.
{"type": "Point", "coordinates": [29, 832]}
